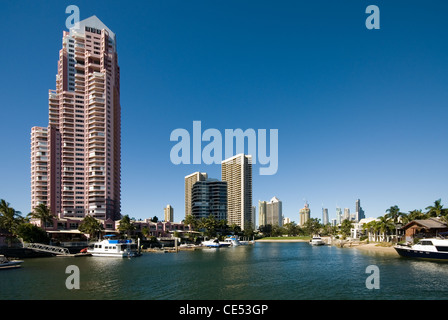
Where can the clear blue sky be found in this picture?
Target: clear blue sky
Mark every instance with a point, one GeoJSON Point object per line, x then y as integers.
{"type": "Point", "coordinates": [360, 113]}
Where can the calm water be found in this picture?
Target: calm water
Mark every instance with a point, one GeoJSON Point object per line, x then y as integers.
{"type": "Point", "coordinates": [264, 271]}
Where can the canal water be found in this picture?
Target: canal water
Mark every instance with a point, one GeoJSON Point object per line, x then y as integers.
{"type": "Point", "coordinates": [263, 271]}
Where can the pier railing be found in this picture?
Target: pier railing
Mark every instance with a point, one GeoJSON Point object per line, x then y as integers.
{"type": "Point", "coordinates": [46, 248]}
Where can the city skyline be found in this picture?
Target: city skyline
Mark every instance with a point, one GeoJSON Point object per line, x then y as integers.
{"type": "Point", "coordinates": [359, 112]}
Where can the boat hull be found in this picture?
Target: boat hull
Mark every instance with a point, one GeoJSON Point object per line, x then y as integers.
{"type": "Point", "coordinates": [419, 254]}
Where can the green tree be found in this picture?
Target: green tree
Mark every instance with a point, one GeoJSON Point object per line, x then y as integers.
{"type": "Point", "coordinates": [10, 219]}
{"type": "Point", "coordinates": [414, 215]}
{"type": "Point", "coordinates": [91, 226]}
{"type": "Point", "coordinates": [32, 233]}
{"type": "Point", "coordinates": [249, 231]}
{"type": "Point", "coordinates": [346, 228]}
{"type": "Point", "coordinates": [436, 210]}
{"type": "Point", "coordinates": [312, 226]}
{"type": "Point", "coordinates": [126, 225]}
{"type": "Point", "coordinates": [291, 229]}
{"type": "Point", "coordinates": [394, 214]}
{"type": "Point", "coordinates": [385, 225]}
{"type": "Point", "coordinates": [191, 221]}
{"type": "Point", "coordinates": [42, 213]}
{"type": "Point", "coordinates": [145, 231]}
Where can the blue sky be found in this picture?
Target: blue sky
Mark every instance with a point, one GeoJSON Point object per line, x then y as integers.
{"type": "Point", "coordinates": [360, 113]}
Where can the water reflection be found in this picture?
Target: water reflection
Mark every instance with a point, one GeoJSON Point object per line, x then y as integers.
{"type": "Point", "coordinates": [261, 271]}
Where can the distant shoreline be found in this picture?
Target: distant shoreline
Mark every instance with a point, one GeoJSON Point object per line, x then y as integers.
{"type": "Point", "coordinates": [372, 247]}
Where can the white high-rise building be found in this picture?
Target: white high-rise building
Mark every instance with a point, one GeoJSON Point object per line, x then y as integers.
{"type": "Point", "coordinates": [237, 172]}
{"type": "Point", "coordinates": [274, 215]}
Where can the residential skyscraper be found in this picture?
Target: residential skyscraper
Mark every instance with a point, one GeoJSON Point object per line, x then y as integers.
{"type": "Point", "coordinates": [346, 214]}
{"type": "Point", "coordinates": [359, 211]}
{"type": "Point", "coordinates": [209, 197]}
{"type": "Point", "coordinates": [338, 215]}
{"type": "Point", "coordinates": [325, 220]}
{"type": "Point", "coordinates": [84, 133]}
{"type": "Point", "coordinates": [190, 180]}
{"type": "Point", "coordinates": [274, 214]}
{"type": "Point", "coordinates": [262, 213]}
{"type": "Point", "coordinates": [169, 213]}
{"type": "Point", "coordinates": [304, 214]}
{"type": "Point", "coordinates": [237, 172]}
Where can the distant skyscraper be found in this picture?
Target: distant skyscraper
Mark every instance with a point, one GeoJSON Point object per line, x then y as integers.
{"type": "Point", "coordinates": [169, 213]}
{"type": "Point", "coordinates": [346, 214]}
{"type": "Point", "coordinates": [82, 154]}
{"type": "Point", "coordinates": [237, 172]}
{"type": "Point", "coordinates": [325, 216]}
{"type": "Point", "coordinates": [304, 214]}
{"type": "Point", "coordinates": [261, 213]}
{"type": "Point", "coordinates": [274, 214]}
{"type": "Point", "coordinates": [254, 212]}
{"type": "Point", "coordinates": [190, 180]}
{"type": "Point", "coordinates": [359, 211]}
{"type": "Point", "coordinates": [338, 215]}
{"type": "Point", "coordinates": [209, 197]}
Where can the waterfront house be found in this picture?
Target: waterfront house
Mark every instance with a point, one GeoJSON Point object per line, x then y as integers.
{"type": "Point", "coordinates": [424, 228]}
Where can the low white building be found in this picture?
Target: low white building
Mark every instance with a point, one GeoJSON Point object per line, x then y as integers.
{"type": "Point", "coordinates": [357, 227]}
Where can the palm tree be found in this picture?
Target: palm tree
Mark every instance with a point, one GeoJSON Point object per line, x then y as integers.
{"type": "Point", "coordinates": [126, 225]}
{"type": "Point", "coordinates": [90, 226]}
{"type": "Point", "coordinates": [436, 210]}
{"type": "Point", "coordinates": [385, 224]}
{"type": "Point", "coordinates": [42, 213]}
{"type": "Point", "coordinates": [414, 215]}
{"type": "Point", "coordinates": [394, 214]}
{"type": "Point", "coordinates": [9, 220]}
{"type": "Point", "coordinates": [191, 221]}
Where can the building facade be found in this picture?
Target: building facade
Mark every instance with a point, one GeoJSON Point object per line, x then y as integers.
{"type": "Point", "coordinates": [190, 180]}
{"type": "Point", "coordinates": [83, 156]}
{"type": "Point", "coordinates": [274, 214]}
{"type": "Point", "coordinates": [262, 213]}
{"type": "Point", "coordinates": [169, 213]}
{"type": "Point", "coordinates": [237, 172]}
{"type": "Point", "coordinates": [325, 220]}
{"type": "Point", "coordinates": [359, 211]}
{"type": "Point", "coordinates": [304, 214]}
{"type": "Point", "coordinates": [209, 197]}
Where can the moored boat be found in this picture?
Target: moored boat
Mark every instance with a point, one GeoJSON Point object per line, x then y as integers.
{"type": "Point", "coordinates": [6, 263]}
{"type": "Point", "coordinates": [432, 248]}
{"type": "Point", "coordinates": [215, 243]}
{"type": "Point", "coordinates": [114, 248]}
{"type": "Point", "coordinates": [233, 240]}
{"type": "Point", "coordinates": [317, 241]}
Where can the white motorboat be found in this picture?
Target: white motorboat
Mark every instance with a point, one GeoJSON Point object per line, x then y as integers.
{"type": "Point", "coordinates": [114, 248]}
{"type": "Point", "coordinates": [214, 243]}
{"type": "Point", "coordinates": [233, 240]}
{"type": "Point", "coordinates": [317, 241]}
{"type": "Point", "coordinates": [432, 248]}
{"type": "Point", "coordinates": [6, 263]}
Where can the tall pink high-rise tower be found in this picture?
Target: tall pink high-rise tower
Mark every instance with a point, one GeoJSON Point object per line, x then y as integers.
{"type": "Point", "coordinates": [76, 161]}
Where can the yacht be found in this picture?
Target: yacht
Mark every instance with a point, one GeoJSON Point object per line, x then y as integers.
{"type": "Point", "coordinates": [233, 240]}
{"type": "Point", "coordinates": [6, 263]}
{"type": "Point", "coordinates": [215, 243]}
{"type": "Point", "coordinates": [432, 248]}
{"type": "Point", "coordinates": [114, 248]}
{"type": "Point", "coordinates": [317, 241]}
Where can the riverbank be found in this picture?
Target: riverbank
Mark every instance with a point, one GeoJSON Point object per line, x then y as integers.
{"type": "Point", "coordinates": [375, 247]}
{"type": "Point", "coordinates": [284, 239]}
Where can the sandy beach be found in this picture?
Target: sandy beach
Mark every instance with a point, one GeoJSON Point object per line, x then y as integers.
{"type": "Point", "coordinates": [373, 247]}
